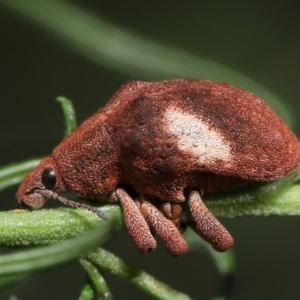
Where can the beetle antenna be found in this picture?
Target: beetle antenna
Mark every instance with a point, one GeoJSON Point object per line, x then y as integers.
{"type": "Point", "coordinates": [99, 212]}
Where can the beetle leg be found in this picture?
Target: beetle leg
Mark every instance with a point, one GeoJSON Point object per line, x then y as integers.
{"type": "Point", "coordinates": [207, 226]}
{"type": "Point", "coordinates": [135, 223]}
{"type": "Point", "coordinates": [164, 228]}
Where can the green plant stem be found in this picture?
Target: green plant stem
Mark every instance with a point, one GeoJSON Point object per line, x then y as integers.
{"type": "Point", "coordinates": [22, 228]}
{"type": "Point", "coordinates": [279, 197]}
{"type": "Point", "coordinates": [101, 289]}
{"type": "Point", "coordinates": [48, 226]}
{"type": "Point", "coordinates": [87, 293]}
{"type": "Point", "coordinates": [137, 277]}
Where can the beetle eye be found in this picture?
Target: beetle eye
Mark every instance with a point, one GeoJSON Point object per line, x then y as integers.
{"type": "Point", "coordinates": [49, 178]}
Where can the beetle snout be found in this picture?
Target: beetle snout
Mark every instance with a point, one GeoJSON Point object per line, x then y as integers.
{"type": "Point", "coordinates": [32, 200]}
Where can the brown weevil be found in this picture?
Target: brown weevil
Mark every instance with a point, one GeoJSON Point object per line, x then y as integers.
{"type": "Point", "coordinates": [157, 144]}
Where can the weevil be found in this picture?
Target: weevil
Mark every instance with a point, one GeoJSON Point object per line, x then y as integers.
{"type": "Point", "coordinates": [155, 145]}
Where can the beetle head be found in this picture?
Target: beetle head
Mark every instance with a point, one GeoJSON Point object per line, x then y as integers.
{"type": "Point", "coordinates": [40, 184]}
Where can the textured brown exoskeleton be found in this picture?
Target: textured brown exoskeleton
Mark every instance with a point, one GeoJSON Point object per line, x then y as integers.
{"type": "Point", "coordinates": [158, 144]}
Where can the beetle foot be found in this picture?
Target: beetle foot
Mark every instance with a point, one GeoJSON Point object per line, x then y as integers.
{"type": "Point", "coordinates": [173, 211]}
{"type": "Point", "coordinates": [206, 225]}
{"type": "Point", "coordinates": [135, 223]}
{"type": "Point", "coordinates": [164, 228]}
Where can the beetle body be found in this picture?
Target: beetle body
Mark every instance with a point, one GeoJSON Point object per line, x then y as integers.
{"type": "Point", "coordinates": [168, 142]}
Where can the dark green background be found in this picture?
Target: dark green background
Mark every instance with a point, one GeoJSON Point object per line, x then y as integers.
{"type": "Point", "coordinates": [258, 38]}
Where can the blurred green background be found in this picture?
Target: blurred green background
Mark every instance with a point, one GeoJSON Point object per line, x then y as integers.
{"type": "Point", "coordinates": [259, 39]}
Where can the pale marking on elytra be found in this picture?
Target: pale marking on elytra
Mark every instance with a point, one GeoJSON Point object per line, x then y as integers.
{"type": "Point", "coordinates": [197, 138]}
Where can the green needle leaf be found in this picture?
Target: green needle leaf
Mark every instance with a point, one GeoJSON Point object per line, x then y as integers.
{"type": "Point", "coordinates": [13, 174]}
{"type": "Point", "coordinates": [69, 114]}
{"type": "Point", "coordinates": [38, 259]}
{"type": "Point", "coordinates": [124, 51]}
